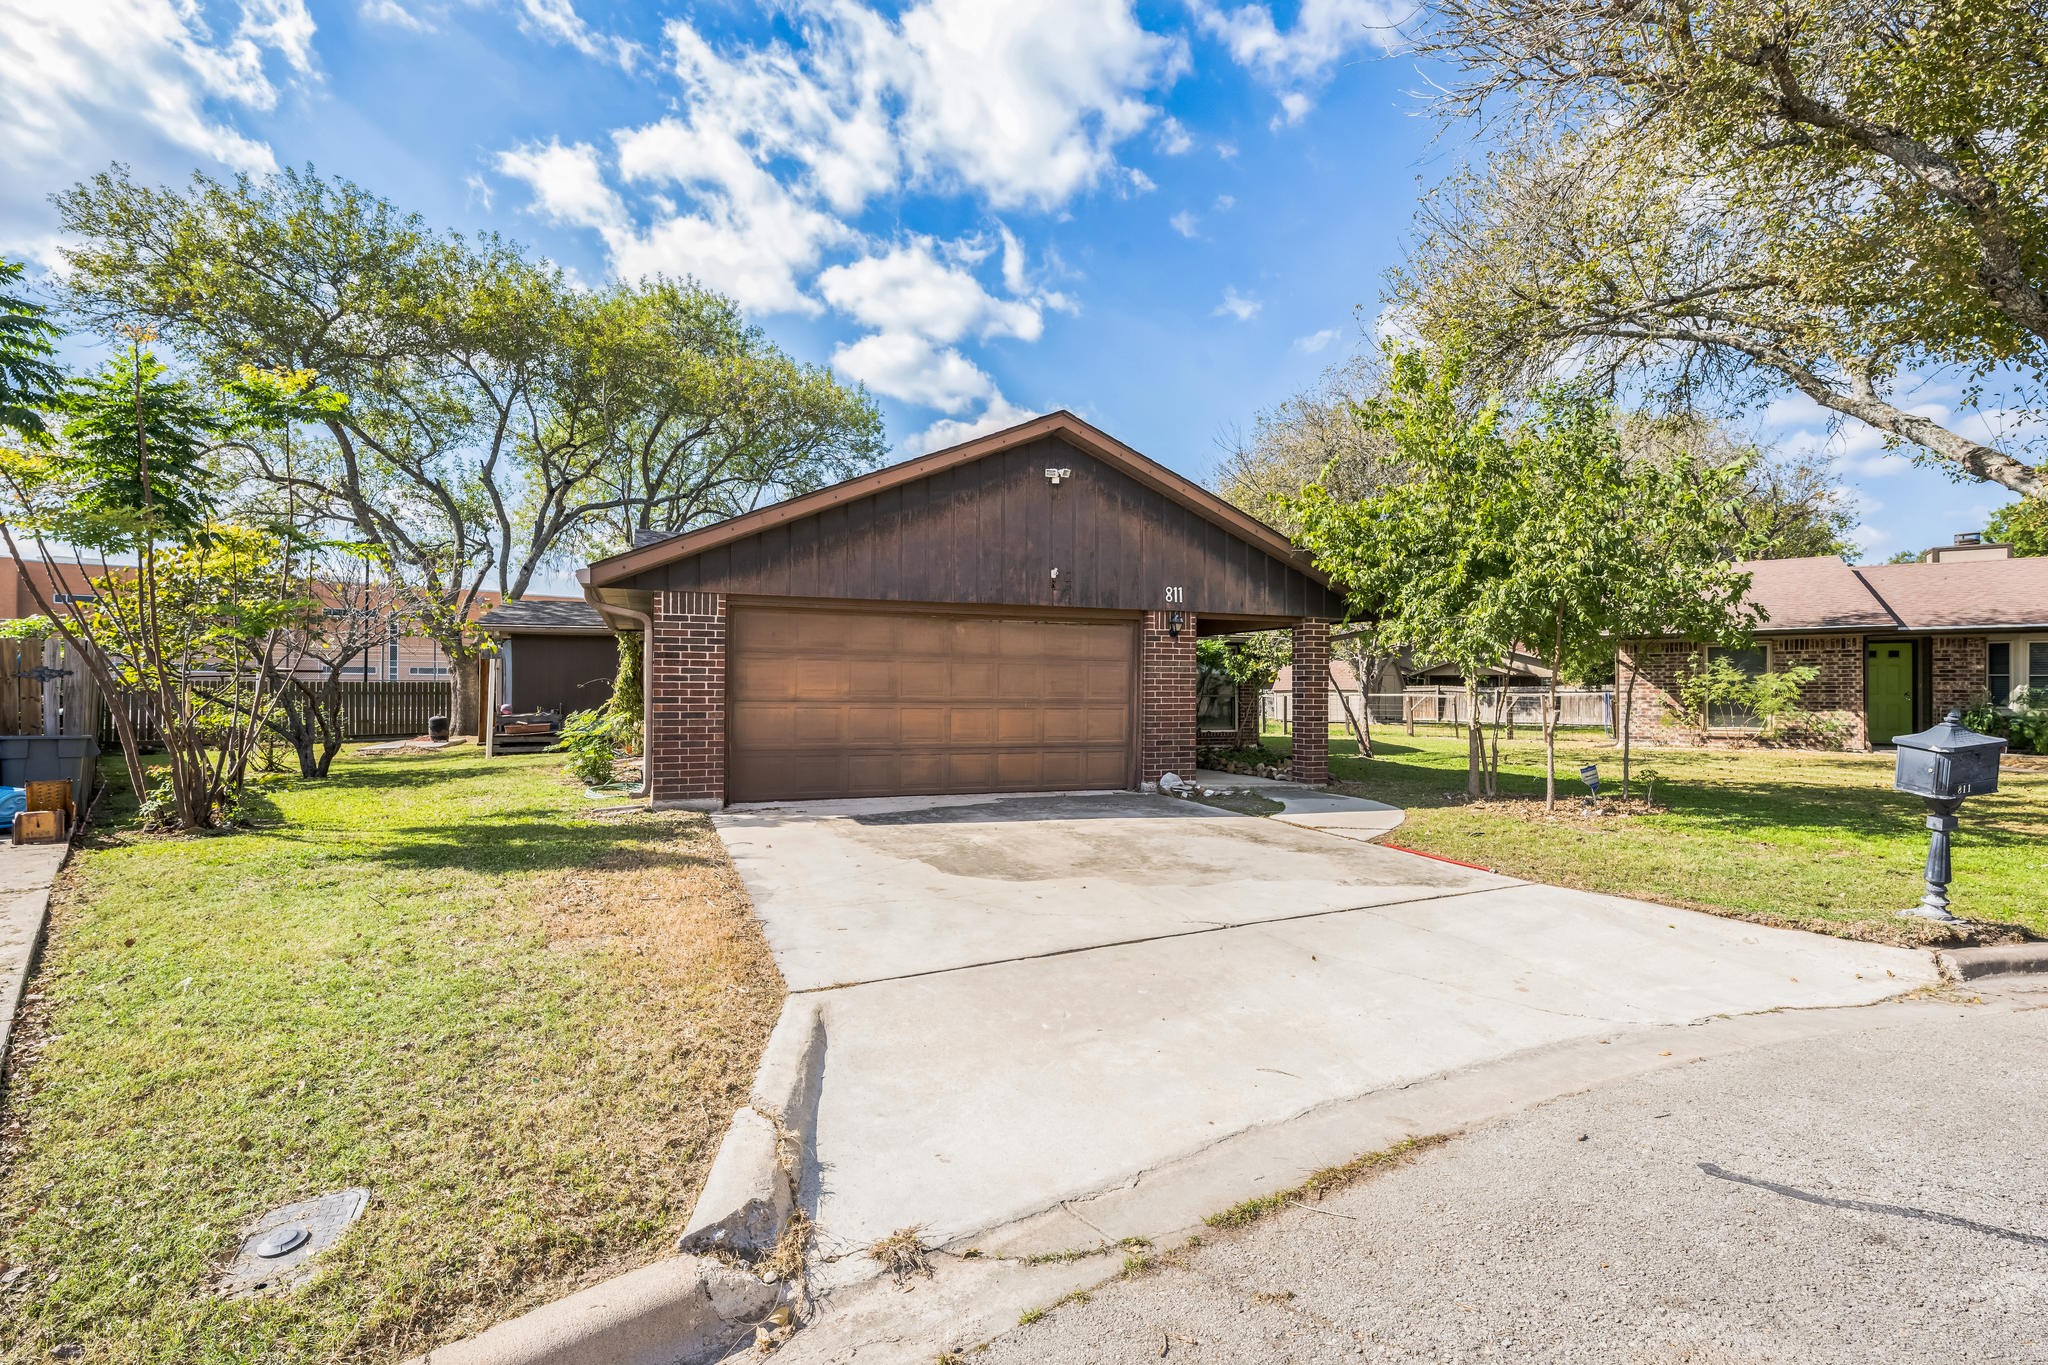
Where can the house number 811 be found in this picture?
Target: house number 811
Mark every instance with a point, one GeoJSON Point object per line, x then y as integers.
{"type": "Point", "coordinates": [1176, 596]}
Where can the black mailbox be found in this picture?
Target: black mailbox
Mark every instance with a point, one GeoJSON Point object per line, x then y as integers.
{"type": "Point", "coordinates": [1941, 765]}
{"type": "Point", "coordinates": [1947, 761]}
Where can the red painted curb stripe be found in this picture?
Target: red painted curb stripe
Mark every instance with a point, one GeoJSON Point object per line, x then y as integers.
{"type": "Point", "coordinates": [1436, 857]}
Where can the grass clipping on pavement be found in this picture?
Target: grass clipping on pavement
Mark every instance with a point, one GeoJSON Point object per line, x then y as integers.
{"type": "Point", "coordinates": [524, 1029]}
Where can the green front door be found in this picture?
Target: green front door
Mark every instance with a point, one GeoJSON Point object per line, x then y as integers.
{"type": "Point", "coordinates": [1888, 688]}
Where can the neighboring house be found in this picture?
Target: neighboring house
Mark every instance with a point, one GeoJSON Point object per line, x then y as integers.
{"type": "Point", "coordinates": [397, 653]}
{"type": "Point", "coordinates": [1017, 613]}
{"type": "Point", "coordinates": [554, 654]}
{"type": "Point", "coordinates": [1896, 644]}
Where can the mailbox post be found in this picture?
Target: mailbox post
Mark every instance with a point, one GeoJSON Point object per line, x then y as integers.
{"type": "Point", "coordinates": [1941, 765]}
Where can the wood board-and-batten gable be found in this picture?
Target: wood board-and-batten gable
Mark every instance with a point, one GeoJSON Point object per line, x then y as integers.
{"type": "Point", "coordinates": [987, 527]}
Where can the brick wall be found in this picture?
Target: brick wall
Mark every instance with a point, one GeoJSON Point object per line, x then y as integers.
{"type": "Point", "coordinates": [1311, 702]}
{"type": "Point", "coordinates": [1659, 664]}
{"type": "Point", "coordinates": [1962, 671]}
{"type": "Point", "coordinates": [1166, 699]}
{"type": "Point", "coordinates": [1247, 715]}
{"type": "Point", "coordinates": [686, 711]}
{"type": "Point", "coordinates": [1838, 691]}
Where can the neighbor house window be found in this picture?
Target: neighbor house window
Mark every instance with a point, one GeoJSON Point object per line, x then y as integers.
{"type": "Point", "coordinates": [1750, 663]}
{"type": "Point", "coordinates": [2000, 671]}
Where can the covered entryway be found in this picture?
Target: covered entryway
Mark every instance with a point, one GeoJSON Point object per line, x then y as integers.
{"type": "Point", "coordinates": [833, 703]}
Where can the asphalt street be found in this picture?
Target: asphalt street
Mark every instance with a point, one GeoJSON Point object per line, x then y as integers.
{"type": "Point", "coordinates": [1876, 1195]}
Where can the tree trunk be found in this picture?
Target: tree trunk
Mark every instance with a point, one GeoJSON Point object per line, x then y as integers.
{"type": "Point", "coordinates": [465, 687]}
{"type": "Point", "coordinates": [1550, 718]}
{"type": "Point", "coordinates": [1475, 743]}
{"type": "Point", "coordinates": [1364, 740]}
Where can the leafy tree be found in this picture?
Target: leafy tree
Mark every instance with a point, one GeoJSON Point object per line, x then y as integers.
{"type": "Point", "coordinates": [30, 381]}
{"type": "Point", "coordinates": [131, 477]}
{"type": "Point", "coordinates": [498, 419]}
{"type": "Point", "coordinates": [2022, 525]}
{"type": "Point", "coordinates": [1790, 506]}
{"type": "Point", "coordinates": [1426, 562]}
{"type": "Point", "coordinates": [1734, 198]}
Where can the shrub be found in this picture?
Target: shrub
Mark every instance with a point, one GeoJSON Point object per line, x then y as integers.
{"type": "Point", "coordinates": [591, 740]}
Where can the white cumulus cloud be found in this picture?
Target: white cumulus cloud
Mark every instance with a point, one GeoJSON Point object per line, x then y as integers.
{"type": "Point", "coordinates": [1238, 305]}
{"type": "Point", "coordinates": [90, 80]}
{"type": "Point", "coordinates": [1299, 57]}
{"type": "Point", "coordinates": [999, 413]}
{"type": "Point", "coordinates": [1184, 223]}
{"type": "Point", "coordinates": [908, 288]}
{"type": "Point", "coordinates": [1316, 341]}
{"type": "Point", "coordinates": [909, 368]}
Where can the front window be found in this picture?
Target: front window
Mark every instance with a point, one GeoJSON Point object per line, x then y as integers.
{"type": "Point", "coordinates": [1750, 663]}
{"type": "Point", "coordinates": [2037, 666]}
{"type": "Point", "coordinates": [2001, 672]}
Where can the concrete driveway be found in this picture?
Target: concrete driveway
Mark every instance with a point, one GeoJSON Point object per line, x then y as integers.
{"type": "Point", "coordinates": [1037, 1006]}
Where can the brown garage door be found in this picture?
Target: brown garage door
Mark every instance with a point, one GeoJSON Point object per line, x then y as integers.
{"type": "Point", "coordinates": [830, 703]}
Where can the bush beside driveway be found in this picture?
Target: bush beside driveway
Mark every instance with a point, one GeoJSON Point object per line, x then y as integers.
{"type": "Point", "coordinates": [521, 1026]}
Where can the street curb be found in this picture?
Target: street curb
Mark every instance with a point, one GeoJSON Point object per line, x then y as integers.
{"type": "Point", "coordinates": [1997, 959]}
{"type": "Point", "coordinates": [684, 1308]}
{"type": "Point", "coordinates": [784, 1089]}
{"type": "Point", "coordinates": [752, 1188]}
{"type": "Point", "coordinates": [691, 1308]}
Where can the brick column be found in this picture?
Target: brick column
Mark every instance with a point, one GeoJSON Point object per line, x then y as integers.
{"type": "Point", "coordinates": [1312, 702]}
{"type": "Point", "coordinates": [686, 711]}
{"type": "Point", "coordinates": [1166, 699]}
{"type": "Point", "coordinates": [1247, 716]}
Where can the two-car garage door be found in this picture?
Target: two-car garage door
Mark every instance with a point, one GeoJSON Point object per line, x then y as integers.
{"type": "Point", "coordinates": [826, 703]}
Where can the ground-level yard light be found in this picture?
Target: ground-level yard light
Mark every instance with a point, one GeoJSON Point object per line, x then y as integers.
{"type": "Point", "coordinates": [1941, 765]}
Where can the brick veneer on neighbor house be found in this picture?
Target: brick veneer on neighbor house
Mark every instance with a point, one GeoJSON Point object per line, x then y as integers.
{"type": "Point", "coordinates": [1663, 664]}
{"type": "Point", "coordinates": [1311, 762]}
{"type": "Point", "coordinates": [1166, 699]}
{"type": "Point", "coordinates": [1962, 671]}
{"type": "Point", "coordinates": [686, 711]}
{"type": "Point", "coordinates": [1839, 688]}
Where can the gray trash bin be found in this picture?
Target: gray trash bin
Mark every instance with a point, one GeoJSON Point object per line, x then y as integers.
{"type": "Point", "coordinates": [50, 758]}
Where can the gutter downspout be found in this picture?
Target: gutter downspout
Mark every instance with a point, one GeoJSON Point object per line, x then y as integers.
{"type": "Point", "coordinates": [646, 696]}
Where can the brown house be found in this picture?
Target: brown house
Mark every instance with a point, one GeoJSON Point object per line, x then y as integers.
{"type": "Point", "coordinates": [1896, 644]}
{"type": "Point", "coordinates": [1017, 613]}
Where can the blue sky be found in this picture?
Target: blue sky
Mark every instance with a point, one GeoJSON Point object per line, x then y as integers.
{"type": "Point", "coordinates": [1164, 217]}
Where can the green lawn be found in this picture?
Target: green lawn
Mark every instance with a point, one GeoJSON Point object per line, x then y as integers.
{"type": "Point", "coordinates": [1814, 839]}
{"type": "Point", "coordinates": [523, 1027]}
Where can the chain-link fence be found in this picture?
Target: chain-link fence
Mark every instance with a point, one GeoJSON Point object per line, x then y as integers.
{"type": "Point", "coordinates": [1578, 708]}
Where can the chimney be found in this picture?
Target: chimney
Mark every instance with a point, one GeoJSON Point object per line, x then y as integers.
{"type": "Point", "coordinates": [1969, 546]}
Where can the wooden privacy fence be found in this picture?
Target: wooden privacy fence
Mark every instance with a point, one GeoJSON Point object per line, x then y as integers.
{"type": "Point", "coordinates": [369, 710]}
{"type": "Point", "coordinates": [64, 701]}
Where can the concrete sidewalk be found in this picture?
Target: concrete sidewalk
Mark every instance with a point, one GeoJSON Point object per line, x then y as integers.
{"type": "Point", "coordinates": [27, 871]}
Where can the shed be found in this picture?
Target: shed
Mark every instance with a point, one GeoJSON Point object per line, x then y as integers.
{"type": "Point", "coordinates": [553, 655]}
{"type": "Point", "coordinates": [1016, 613]}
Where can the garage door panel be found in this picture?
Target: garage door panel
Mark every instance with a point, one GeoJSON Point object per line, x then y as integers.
{"type": "Point", "coordinates": [830, 703]}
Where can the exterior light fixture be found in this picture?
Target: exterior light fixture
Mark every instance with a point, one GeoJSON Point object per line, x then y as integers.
{"type": "Point", "coordinates": [1174, 621]}
{"type": "Point", "coordinates": [1941, 765]}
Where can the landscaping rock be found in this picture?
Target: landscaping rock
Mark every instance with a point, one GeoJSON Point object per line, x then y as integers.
{"type": "Point", "coordinates": [746, 1200]}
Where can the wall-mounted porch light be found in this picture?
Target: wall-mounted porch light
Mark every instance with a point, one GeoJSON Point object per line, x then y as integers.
{"type": "Point", "coordinates": [1174, 621]}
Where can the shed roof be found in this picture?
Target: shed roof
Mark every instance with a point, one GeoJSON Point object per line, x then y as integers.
{"type": "Point", "coordinates": [536, 615]}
